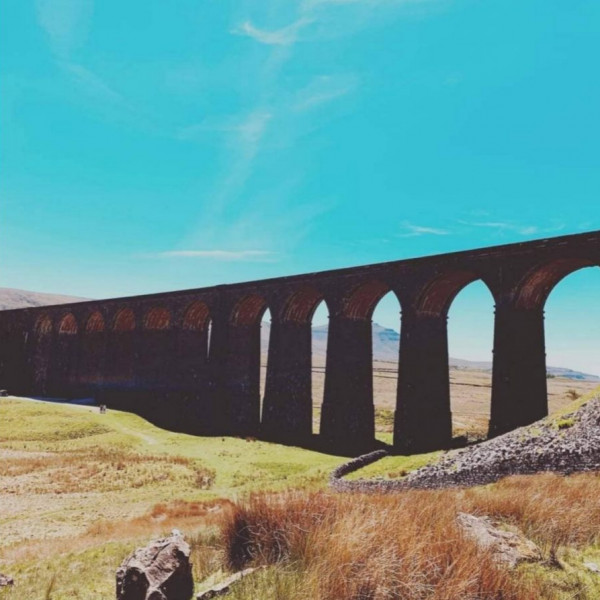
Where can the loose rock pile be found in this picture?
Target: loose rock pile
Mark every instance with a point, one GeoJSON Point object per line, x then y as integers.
{"type": "Point", "coordinates": [566, 446]}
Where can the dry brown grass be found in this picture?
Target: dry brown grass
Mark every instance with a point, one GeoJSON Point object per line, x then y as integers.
{"type": "Point", "coordinates": [470, 391]}
{"type": "Point", "coordinates": [408, 546]}
{"type": "Point", "coordinates": [369, 547]}
{"type": "Point", "coordinates": [191, 517]}
{"type": "Point", "coordinates": [551, 509]}
{"type": "Point", "coordinates": [98, 469]}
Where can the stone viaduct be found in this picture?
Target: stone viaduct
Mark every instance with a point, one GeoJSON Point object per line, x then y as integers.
{"type": "Point", "coordinates": [190, 360]}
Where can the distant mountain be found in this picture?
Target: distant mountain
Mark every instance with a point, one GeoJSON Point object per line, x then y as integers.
{"type": "Point", "coordinates": [11, 298]}
{"type": "Point", "coordinates": [386, 344]}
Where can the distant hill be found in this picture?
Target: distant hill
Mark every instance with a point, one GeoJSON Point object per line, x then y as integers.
{"type": "Point", "coordinates": [11, 298]}
{"type": "Point", "coordinates": [386, 343]}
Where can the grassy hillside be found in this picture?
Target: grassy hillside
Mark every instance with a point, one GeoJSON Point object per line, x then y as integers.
{"type": "Point", "coordinates": [79, 490]}
{"type": "Point", "coordinates": [120, 465]}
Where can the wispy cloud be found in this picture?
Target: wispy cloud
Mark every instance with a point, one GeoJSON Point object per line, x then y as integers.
{"type": "Point", "coordinates": [251, 130]}
{"type": "Point", "coordinates": [246, 131]}
{"type": "Point", "coordinates": [91, 82]}
{"type": "Point", "coordinates": [411, 230]}
{"type": "Point", "coordinates": [324, 89]}
{"type": "Point", "coordinates": [222, 255]}
{"type": "Point", "coordinates": [311, 4]}
{"type": "Point", "coordinates": [278, 37]}
{"type": "Point", "coordinates": [242, 142]}
{"type": "Point", "coordinates": [512, 227]}
{"type": "Point", "coordinates": [65, 22]}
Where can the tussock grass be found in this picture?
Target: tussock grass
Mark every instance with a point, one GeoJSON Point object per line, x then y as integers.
{"type": "Point", "coordinates": [551, 509]}
{"type": "Point", "coordinates": [369, 547]}
{"type": "Point", "coordinates": [408, 546]}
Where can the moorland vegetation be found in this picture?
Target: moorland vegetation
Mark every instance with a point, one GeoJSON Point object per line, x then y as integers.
{"type": "Point", "coordinates": [79, 491]}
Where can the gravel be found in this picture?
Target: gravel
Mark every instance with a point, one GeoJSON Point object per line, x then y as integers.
{"type": "Point", "coordinates": [567, 445]}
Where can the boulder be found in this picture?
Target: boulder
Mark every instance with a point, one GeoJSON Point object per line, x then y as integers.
{"type": "Point", "coordinates": [508, 547]}
{"type": "Point", "coordinates": [6, 580]}
{"type": "Point", "coordinates": [159, 571]}
{"type": "Point", "coordinates": [593, 567]}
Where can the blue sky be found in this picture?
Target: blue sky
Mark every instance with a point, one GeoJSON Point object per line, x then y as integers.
{"type": "Point", "coordinates": [151, 146]}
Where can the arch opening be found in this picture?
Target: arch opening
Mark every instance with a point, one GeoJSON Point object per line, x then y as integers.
{"type": "Point", "coordinates": [192, 346]}
{"type": "Point", "coordinates": [196, 317]}
{"type": "Point", "coordinates": [124, 321]}
{"type": "Point", "coordinates": [121, 359]}
{"type": "Point", "coordinates": [539, 283]}
{"type": "Point", "coordinates": [265, 338]}
{"type": "Point", "coordinates": [572, 330]}
{"type": "Point", "coordinates": [440, 293]}
{"type": "Point", "coordinates": [66, 358]}
{"type": "Point", "coordinates": [249, 310]}
{"type": "Point", "coordinates": [95, 323]}
{"type": "Point", "coordinates": [301, 306]}
{"type": "Point", "coordinates": [42, 354]}
{"type": "Point", "coordinates": [319, 339]}
{"type": "Point", "coordinates": [361, 303]}
{"type": "Point", "coordinates": [68, 325]}
{"type": "Point", "coordinates": [385, 344]}
{"type": "Point", "coordinates": [43, 325]}
{"type": "Point", "coordinates": [157, 318]}
{"type": "Point", "coordinates": [209, 326]}
{"type": "Point", "coordinates": [470, 344]}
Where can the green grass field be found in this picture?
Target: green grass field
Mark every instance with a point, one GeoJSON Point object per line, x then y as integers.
{"type": "Point", "coordinates": [80, 490]}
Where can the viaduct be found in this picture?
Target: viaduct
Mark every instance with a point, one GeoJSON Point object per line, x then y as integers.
{"type": "Point", "coordinates": [190, 360]}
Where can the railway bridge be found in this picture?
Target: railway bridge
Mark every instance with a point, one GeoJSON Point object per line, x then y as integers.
{"type": "Point", "coordinates": [190, 360]}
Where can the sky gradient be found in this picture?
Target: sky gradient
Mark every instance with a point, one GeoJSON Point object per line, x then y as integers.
{"type": "Point", "coordinates": [152, 146]}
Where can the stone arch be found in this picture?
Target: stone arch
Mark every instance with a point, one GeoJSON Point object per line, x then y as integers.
{"type": "Point", "coordinates": [301, 305]}
{"type": "Point", "coordinates": [438, 295]}
{"type": "Point", "coordinates": [192, 349]}
{"type": "Point", "coordinates": [124, 320]}
{"type": "Point", "coordinates": [68, 325]}
{"type": "Point", "coordinates": [157, 351]}
{"type": "Point", "coordinates": [92, 362]}
{"type": "Point", "coordinates": [121, 350]}
{"type": "Point", "coordinates": [571, 316]}
{"type": "Point", "coordinates": [157, 318]}
{"type": "Point", "coordinates": [95, 323]}
{"type": "Point", "coordinates": [242, 407]}
{"type": "Point", "coordinates": [66, 357]}
{"type": "Point", "coordinates": [42, 354]}
{"type": "Point", "coordinates": [363, 299]}
{"type": "Point", "coordinates": [533, 290]}
{"type": "Point", "coordinates": [249, 310]}
{"type": "Point", "coordinates": [470, 335]}
{"type": "Point", "coordinates": [43, 325]}
{"type": "Point", "coordinates": [196, 316]}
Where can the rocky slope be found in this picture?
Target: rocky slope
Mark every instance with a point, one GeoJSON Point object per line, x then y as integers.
{"type": "Point", "coordinates": [564, 445]}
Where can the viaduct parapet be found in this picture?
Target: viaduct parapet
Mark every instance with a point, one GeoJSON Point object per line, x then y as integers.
{"type": "Point", "coordinates": [190, 360]}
